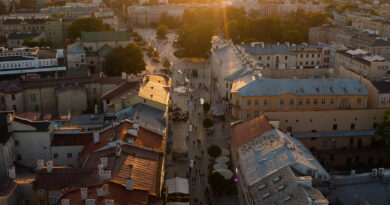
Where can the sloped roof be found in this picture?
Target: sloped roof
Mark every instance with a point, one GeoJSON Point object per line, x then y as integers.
{"type": "Point", "coordinates": [146, 166]}
{"type": "Point", "coordinates": [382, 86]}
{"type": "Point", "coordinates": [40, 126]}
{"type": "Point", "coordinates": [105, 36]}
{"type": "Point", "coordinates": [126, 89]}
{"type": "Point", "coordinates": [177, 185]}
{"type": "Point", "coordinates": [117, 192]}
{"type": "Point", "coordinates": [244, 132]}
{"type": "Point", "coordinates": [75, 139]}
{"type": "Point", "coordinates": [275, 87]}
{"type": "Point", "coordinates": [61, 178]}
{"type": "Point", "coordinates": [23, 35]}
{"type": "Point", "coordinates": [154, 91]}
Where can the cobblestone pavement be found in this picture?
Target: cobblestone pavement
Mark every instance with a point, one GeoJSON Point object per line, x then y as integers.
{"type": "Point", "coordinates": [179, 136]}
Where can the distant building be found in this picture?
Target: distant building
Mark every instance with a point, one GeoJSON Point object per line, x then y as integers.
{"type": "Point", "coordinates": [76, 56]}
{"type": "Point", "coordinates": [146, 15]}
{"type": "Point", "coordinates": [28, 60]}
{"type": "Point", "coordinates": [274, 167]}
{"type": "Point", "coordinates": [7, 143]}
{"type": "Point", "coordinates": [369, 66]}
{"type": "Point", "coordinates": [16, 40]}
{"type": "Point", "coordinates": [99, 43]}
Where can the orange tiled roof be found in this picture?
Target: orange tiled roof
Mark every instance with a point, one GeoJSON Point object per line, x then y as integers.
{"type": "Point", "coordinates": [61, 178]}
{"type": "Point", "coordinates": [117, 192]}
{"type": "Point", "coordinates": [146, 166]}
{"type": "Point", "coordinates": [145, 138]}
{"type": "Point", "coordinates": [243, 132]}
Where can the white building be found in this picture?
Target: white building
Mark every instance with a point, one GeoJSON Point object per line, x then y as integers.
{"type": "Point", "coordinates": [75, 56]}
{"type": "Point", "coordinates": [27, 60]}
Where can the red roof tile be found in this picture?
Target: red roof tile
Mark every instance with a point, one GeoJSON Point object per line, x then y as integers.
{"type": "Point", "coordinates": [61, 178]}
{"type": "Point", "coordinates": [145, 138]}
{"type": "Point", "coordinates": [243, 132]}
{"type": "Point", "coordinates": [146, 171]}
{"type": "Point", "coordinates": [117, 192]}
{"type": "Point", "coordinates": [71, 139]}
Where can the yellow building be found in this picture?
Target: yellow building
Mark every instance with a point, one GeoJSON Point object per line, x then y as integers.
{"type": "Point", "coordinates": [252, 98]}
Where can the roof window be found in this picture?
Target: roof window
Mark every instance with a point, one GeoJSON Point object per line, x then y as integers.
{"type": "Point", "coordinates": [266, 195]}
{"type": "Point", "coordinates": [276, 179]}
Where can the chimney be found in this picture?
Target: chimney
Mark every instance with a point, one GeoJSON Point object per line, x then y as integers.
{"type": "Point", "coordinates": [12, 173]}
{"type": "Point", "coordinates": [129, 180]}
{"type": "Point", "coordinates": [129, 184]}
{"type": "Point", "coordinates": [118, 150]}
{"type": "Point", "coordinates": [40, 164]}
{"type": "Point", "coordinates": [84, 193]}
{"type": "Point", "coordinates": [65, 202]}
{"type": "Point", "coordinates": [49, 166]}
{"type": "Point", "coordinates": [104, 161]}
{"type": "Point", "coordinates": [90, 202]}
{"type": "Point", "coordinates": [96, 137]}
{"type": "Point", "coordinates": [104, 175]}
{"type": "Point", "coordinates": [102, 191]}
{"type": "Point", "coordinates": [109, 202]}
{"type": "Point", "coordinates": [124, 76]}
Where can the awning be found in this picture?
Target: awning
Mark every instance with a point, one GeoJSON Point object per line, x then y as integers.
{"type": "Point", "coordinates": [177, 185]}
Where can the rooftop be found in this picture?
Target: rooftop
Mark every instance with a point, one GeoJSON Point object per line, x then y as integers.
{"type": "Point", "coordinates": [105, 36]}
{"type": "Point", "coordinates": [145, 169]}
{"type": "Point", "coordinates": [116, 192]}
{"type": "Point", "coordinates": [124, 90]}
{"type": "Point", "coordinates": [275, 87]}
{"type": "Point", "coordinates": [155, 88]}
{"type": "Point", "coordinates": [268, 49]}
{"type": "Point", "coordinates": [382, 86]}
{"type": "Point", "coordinates": [39, 126]}
{"type": "Point", "coordinates": [23, 35]}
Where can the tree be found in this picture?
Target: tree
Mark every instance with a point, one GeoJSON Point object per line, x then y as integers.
{"type": "Point", "coordinates": [196, 39]}
{"type": "Point", "coordinates": [129, 59]}
{"type": "Point", "coordinates": [217, 182]}
{"type": "Point", "coordinates": [162, 31]}
{"type": "Point", "coordinates": [207, 123]}
{"type": "Point", "coordinates": [86, 24]}
{"type": "Point", "coordinates": [214, 151]}
{"type": "Point", "coordinates": [383, 128]}
{"type": "Point", "coordinates": [166, 63]}
{"type": "Point", "coordinates": [30, 42]}
{"type": "Point", "coordinates": [206, 107]}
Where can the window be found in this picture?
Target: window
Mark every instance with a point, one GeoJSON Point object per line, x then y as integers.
{"type": "Point", "coordinates": [94, 91]}
{"type": "Point", "coordinates": [291, 102]}
{"type": "Point", "coordinates": [307, 101]}
{"type": "Point", "coordinates": [300, 102]}
{"type": "Point", "coordinates": [281, 187]}
{"type": "Point", "coordinates": [344, 101]}
{"type": "Point", "coordinates": [13, 97]}
{"type": "Point", "coordinates": [227, 85]}
{"type": "Point", "coordinates": [351, 141]}
{"type": "Point", "coordinates": [323, 101]}
{"type": "Point", "coordinates": [268, 57]}
{"type": "Point", "coordinates": [332, 101]}
{"type": "Point", "coordinates": [248, 115]}
{"type": "Point", "coordinates": [55, 155]}
{"type": "Point", "coordinates": [285, 57]}
{"type": "Point", "coordinates": [18, 157]}
{"type": "Point", "coordinates": [313, 138]}
{"type": "Point", "coordinates": [249, 102]}
{"type": "Point", "coordinates": [26, 202]}
{"type": "Point", "coordinates": [331, 157]}
{"type": "Point", "coordinates": [53, 198]}
{"type": "Point", "coordinates": [383, 101]}
{"type": "Point", "coordinates": [41, 202]}
{"type": "Point", "coordinates": [17, 142]}
{"type": "Point", "coordinates": [257, 113]}
{"type": "Point", "coordinates": [69, 155]}
{"type": "Point", "coordinates": [256, 102]}
{"type": "Point", "coordinates": [315, 102]}
{"type": "Point", "coordinates": [237, 102]}
{"type": "Point", "coordinates": [333, 142]}
{"type": "Point", "coordinates": [281, 102]}
{"type": "Point", "coordinates": [324, 142]}
{"type": "Point", "coordinates": [359, 101]}
{"type": "Point", "coordinates": [334, 126]}
{"type": "Point", "coordinates": [36, 108]}
{"type": "Point", "coordinates": [352, 126]}
{"type": "Point", "coordinates": [14, 107]}
{"type": "Point", "coordinates": [259, 57]}
{"type": "Point", "coordinates": [32, 97]}
{"type": "Point", "coordinates": [265, 102]}
{"type": "Point", "coordinates": [289, 129]}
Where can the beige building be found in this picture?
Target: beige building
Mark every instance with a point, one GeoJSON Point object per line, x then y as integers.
{"type": "Point", "coordinates": [253, 98]}
{"type": "Point", "coordinates": [372, 67]}
{"type": "Point", "coordinates": [55, 95]}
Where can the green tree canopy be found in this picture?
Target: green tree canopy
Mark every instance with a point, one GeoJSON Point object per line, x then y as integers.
{"type": "Point", "coordinates": [207, 123]}
{"type": "Point", "coordinates": [86, 24]}
{"type": "Point", "coordinates": [162, 31]}
{"type": "Point", "coordinates": [127, 59]}
{"type": "Point", "coordinates": [29, 42]}
{"type": "Point", "coordinates": [196, 39]}
{"type": "Point", "coordinates": [214, 150]}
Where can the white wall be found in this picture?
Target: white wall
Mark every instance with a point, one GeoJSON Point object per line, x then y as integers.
{"type": "Point", "coordinates": [62, 152]}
